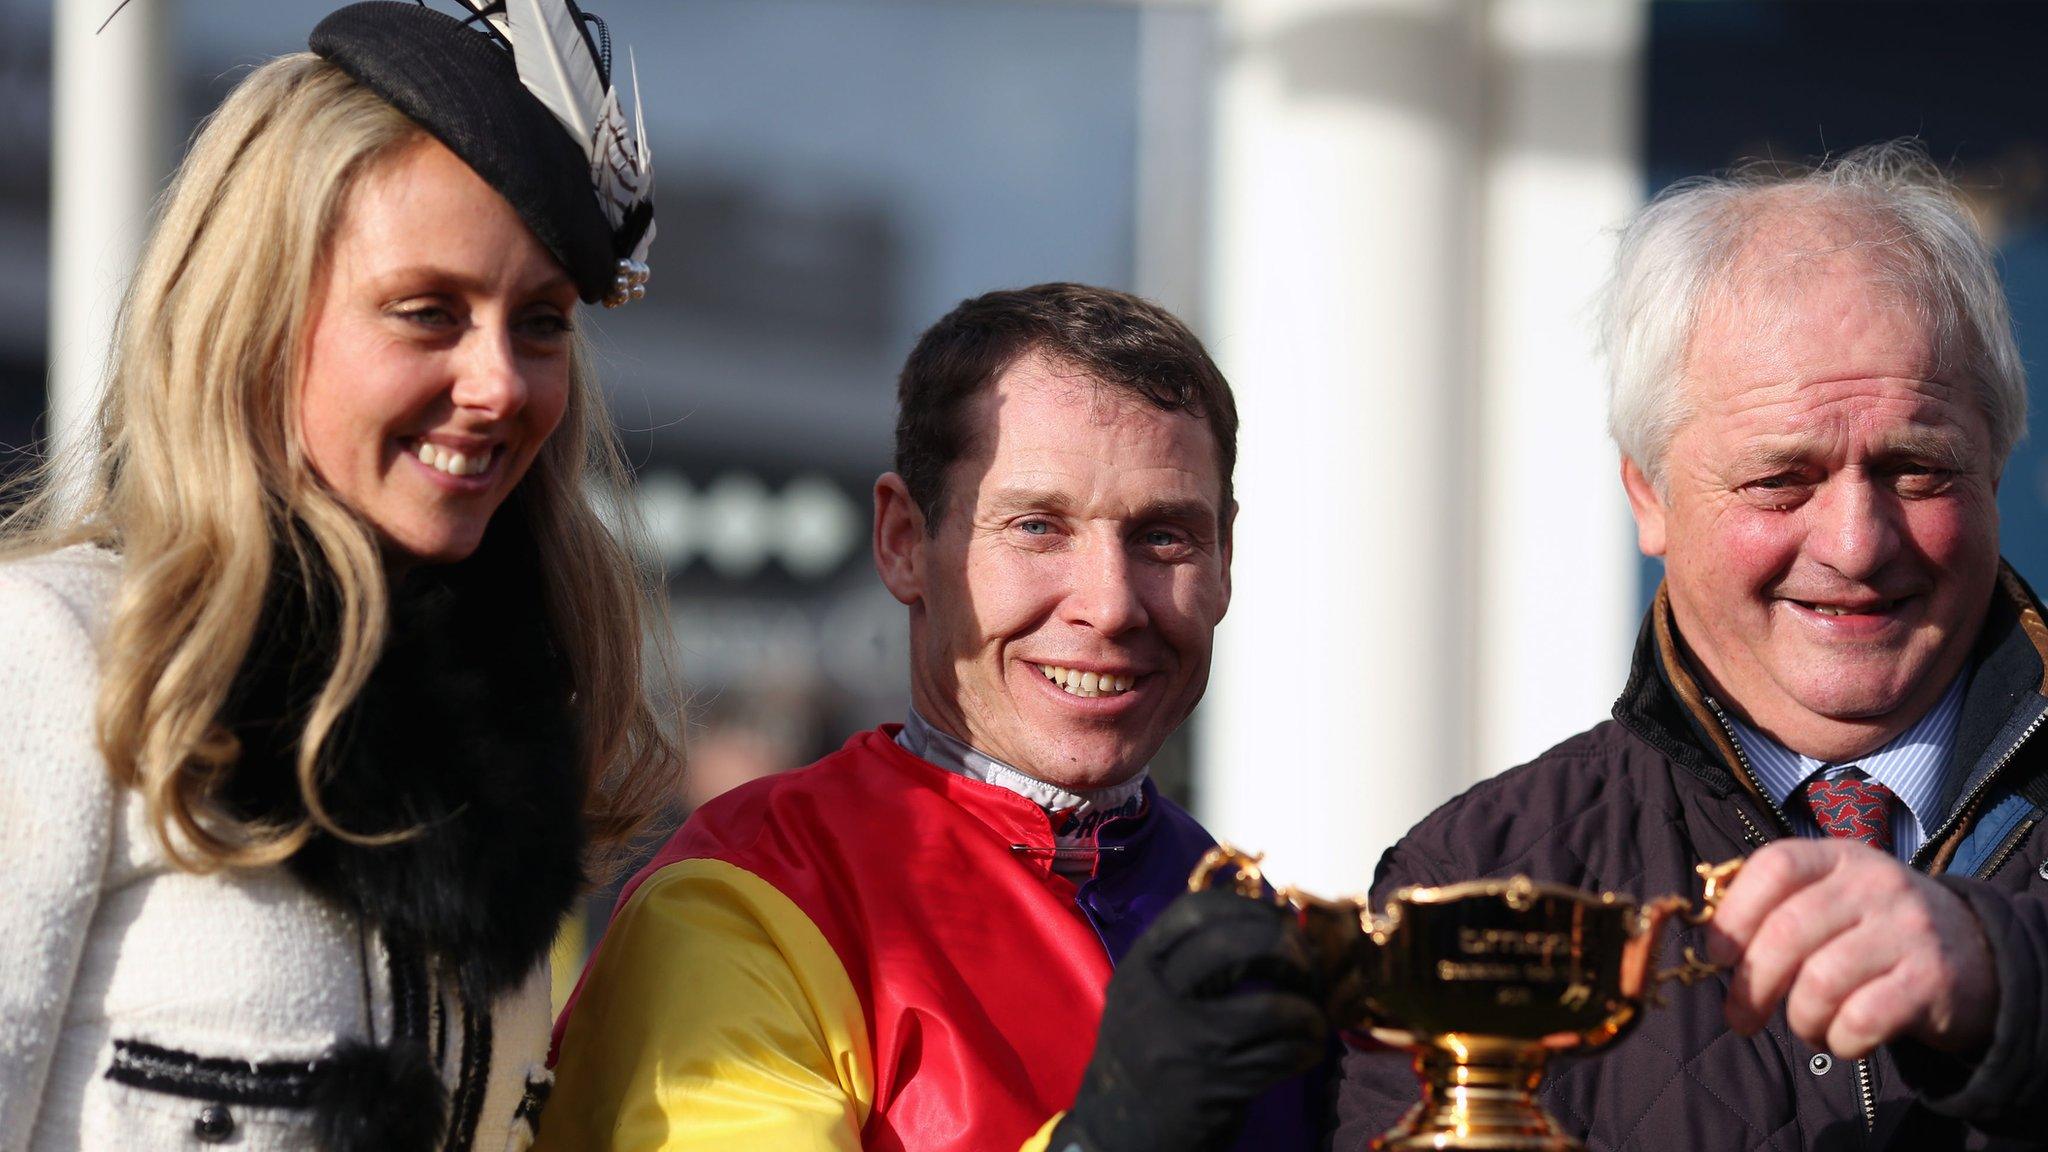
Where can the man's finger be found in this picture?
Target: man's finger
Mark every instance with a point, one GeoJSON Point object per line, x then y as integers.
{"type": "Point", "coordinates": [1875, 1013]}
{"type": "Point", "coordinates": [1771, 959]}
{"type": "Point", "coordinates": [1833, 974]}
{"type": "Point", "coordinates": [1769, 877]}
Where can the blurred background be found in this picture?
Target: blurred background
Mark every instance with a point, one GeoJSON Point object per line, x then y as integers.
{"type": "Point", "coordinates": [1387, 218]}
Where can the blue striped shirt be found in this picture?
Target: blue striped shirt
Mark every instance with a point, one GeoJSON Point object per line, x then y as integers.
{"type": "Point", "coordinates": [1914, 766]}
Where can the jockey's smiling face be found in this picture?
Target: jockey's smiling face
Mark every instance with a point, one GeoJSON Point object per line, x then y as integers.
{"type": "Point", "coordinates": [1064, 606]}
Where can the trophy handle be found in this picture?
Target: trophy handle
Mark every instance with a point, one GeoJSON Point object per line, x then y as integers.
{"type": "Point", "coordinates": [1715, 879]}
{"type": "Point", "coordinates": [1245, 877]}
{"type": "Point", "coordinates": [1714, 882]}
{"type": "Point", "coordinates": [1341, 935]}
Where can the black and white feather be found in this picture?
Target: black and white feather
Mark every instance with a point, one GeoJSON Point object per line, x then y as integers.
{"type": "Point", "coordinates": [572, 78]}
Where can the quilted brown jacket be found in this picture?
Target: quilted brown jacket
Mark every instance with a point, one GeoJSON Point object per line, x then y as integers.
{"type": "Point", "coordinates": [1631, 805]}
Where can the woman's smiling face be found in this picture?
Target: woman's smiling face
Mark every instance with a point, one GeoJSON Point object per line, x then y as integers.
{"type": "Point", "coordinates": [438, 355]}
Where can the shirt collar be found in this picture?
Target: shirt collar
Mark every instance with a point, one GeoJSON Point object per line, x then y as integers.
{"type": "Point", "coordinates": [927, 743]}
{"type": "Point", "coordinates": [1913, 765]}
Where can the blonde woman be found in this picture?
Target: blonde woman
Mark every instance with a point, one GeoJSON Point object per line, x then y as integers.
{"type": "Point", "coordinates": [325, 690]}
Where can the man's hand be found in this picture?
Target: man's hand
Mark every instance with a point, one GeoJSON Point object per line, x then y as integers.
{"type": "Point", "coordinates": [1861, 949]}
{"type": "Point", "coordinates": [1213, 1005]}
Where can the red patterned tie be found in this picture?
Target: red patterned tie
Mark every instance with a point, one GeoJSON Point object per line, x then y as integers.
{"type": "Point", "coordinates": [1854, 808]}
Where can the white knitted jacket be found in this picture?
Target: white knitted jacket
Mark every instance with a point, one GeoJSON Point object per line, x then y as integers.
{"type": "Point", "coordinates": [142, 1007]}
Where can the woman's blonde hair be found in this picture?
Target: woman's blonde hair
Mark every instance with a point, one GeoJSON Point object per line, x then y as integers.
{"type": "Point", "coordinates": [200, 481]}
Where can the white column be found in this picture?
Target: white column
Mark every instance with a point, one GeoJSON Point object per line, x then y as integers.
{"type": "Point", "coordinates": [112, 95]}
{"type": "Point", "coordinates": [1557, 564]}
{"type": "Point", "coordinates": [1344, 312]}
{"type": "Point", "coordinates": [1176, 60]}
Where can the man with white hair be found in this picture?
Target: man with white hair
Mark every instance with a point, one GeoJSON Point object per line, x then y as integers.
{"type": "Point", "coordinates": [1815, 390]}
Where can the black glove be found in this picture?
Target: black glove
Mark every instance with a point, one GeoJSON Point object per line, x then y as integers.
{"type": "Point", "coordinates": [1214, 1004]}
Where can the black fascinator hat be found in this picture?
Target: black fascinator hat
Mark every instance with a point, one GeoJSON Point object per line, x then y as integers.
{"type": "Point", "coordinates": [523, 93]}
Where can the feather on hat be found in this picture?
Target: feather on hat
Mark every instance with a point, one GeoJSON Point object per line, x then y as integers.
{"type": "Point", "coordinates": [527, 101]}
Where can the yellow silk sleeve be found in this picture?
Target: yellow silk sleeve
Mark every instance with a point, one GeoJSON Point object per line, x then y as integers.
{"type": "Point", "coordinates": [716, 1017]}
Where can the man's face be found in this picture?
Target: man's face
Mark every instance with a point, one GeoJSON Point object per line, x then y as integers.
{"type": "Point", "coordinates": [1828, 521]}
{"type": "Point", "coordinates": [1063, 612]}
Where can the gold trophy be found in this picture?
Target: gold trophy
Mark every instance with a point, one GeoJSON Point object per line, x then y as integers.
{"type": "Point", "coordinates": [1482, 981]}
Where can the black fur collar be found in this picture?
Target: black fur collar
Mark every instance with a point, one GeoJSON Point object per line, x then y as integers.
{"type": "Point", "coordinates": [464, 731]}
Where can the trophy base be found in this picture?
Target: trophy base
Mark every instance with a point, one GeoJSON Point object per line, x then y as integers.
{"type": "Point", "coordinates": [1484, 1102]}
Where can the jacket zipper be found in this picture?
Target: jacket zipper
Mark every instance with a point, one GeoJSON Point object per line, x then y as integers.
{"type": "Point", "coordinates": [1866, 1092]}
{"type": "Point", "coordinates": [2005, 850]}
{"type": "Point", "coordinates": [1752, 833]}
{"type": "Point", "coordinates": [1749, 772]}
{"type": "Point", "coordinates": [1866, 1095]}
{"type": "Point", "coordinates": [1969, 803]}
{"type": "Point", "coordinates": [1991, 865]}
